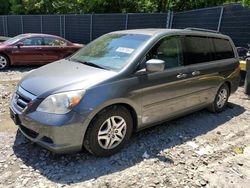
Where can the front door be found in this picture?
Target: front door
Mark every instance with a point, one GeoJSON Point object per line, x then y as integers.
{"type": "Point", "coordinates": [31, 53]}
{"type": "Point", "coordinates": [166, 94]}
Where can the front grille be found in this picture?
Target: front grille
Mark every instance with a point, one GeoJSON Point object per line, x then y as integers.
{"type": "Point", "coordinates": [21, 101]}
{"type": "Point", "coordinates": [22, 98]}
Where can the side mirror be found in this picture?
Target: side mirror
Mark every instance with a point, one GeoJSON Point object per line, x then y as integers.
{"type": "Point", "coordinates": [20, 44]}
{"type": "Point", "coordinates": [155, 65]}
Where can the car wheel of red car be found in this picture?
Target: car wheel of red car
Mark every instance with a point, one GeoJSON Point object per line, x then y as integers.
{"type": "Point", "coordinates": [4, 61]}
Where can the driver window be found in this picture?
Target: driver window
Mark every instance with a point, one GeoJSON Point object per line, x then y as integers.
{"type": "Point", "coordinates": [34, 41]}
{"type": "Point", "coordinates": [168, 50]}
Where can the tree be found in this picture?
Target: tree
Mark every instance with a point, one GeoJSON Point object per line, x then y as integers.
{"type": "Point", "coordinates": [104, 6]}
{"type": "Point", "coordinates": [246, 3]}
{"type": "Point", "coordinates": [16, 7]}
{"type": "Point", "coordinates": [179, 5]}
{"type": "Point", "coordinates": [4, 7]}
{"type": "Point", "coordinates": [117, 6]}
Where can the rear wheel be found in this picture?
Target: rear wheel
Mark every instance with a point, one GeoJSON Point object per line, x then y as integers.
{"type": "Point", "coordinates": [4, 61]}
{"type": "Point", "coordinates": [109, 131]}
{"type": "Point", "coordinates": [221, 99]}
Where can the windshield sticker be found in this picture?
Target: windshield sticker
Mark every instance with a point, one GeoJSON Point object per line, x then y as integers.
{"type": "Point", "coordinates": [125, 50]}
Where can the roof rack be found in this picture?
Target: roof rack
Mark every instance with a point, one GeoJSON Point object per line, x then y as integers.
{"type": "Point", "coordinates": [200, 29]}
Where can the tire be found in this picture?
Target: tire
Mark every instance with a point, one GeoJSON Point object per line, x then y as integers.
{"type": "Point", "coordinates": [221, 99]}
{"type": "Point", "coordinates": [4, 61]}
{"type": "Point", "coordinates": [109, 131]}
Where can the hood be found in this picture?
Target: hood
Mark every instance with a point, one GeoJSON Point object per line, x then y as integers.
{"type": "Point", "coordinates": [63, 76]}
{"type": "Point", "coordinates": [2, 45]}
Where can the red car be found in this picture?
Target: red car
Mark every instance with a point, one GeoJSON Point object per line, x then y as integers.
{"type": "Point", "coordinates": [35, 49]}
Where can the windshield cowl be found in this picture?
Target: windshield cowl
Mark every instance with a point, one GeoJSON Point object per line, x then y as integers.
{"type": "Point", "coordinates": [87, 63]}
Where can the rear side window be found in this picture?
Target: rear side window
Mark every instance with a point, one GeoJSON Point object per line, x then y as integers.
{"type": "Point", "coordinates": [223, 49]}
{"type": "Point", "coordinates": [197, 50]}
{"type": "Point", "coordinates": [49, 41]}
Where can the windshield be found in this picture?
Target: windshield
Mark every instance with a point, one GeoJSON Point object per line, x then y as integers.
{"type": "Point", "coordinates": [14, 39]}
{"type": "Point", "coordinates": [110, 51]}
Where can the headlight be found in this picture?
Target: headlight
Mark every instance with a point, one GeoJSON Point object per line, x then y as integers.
{"type": "Point", "coordinates": [61, 103]}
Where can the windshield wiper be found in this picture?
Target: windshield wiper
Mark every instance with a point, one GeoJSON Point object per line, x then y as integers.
{"type": "Point", "coordinates": [87, 63]}
{"type": "Point", "coordinates": [93, 65]}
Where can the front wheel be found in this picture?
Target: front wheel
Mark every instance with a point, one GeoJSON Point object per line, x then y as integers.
{"type": "Point", "coordinates": [109, 131]}
{"type": "Point", "coordinates": [221, 99]}
{"type": "Point", "coordinates": [4, 61]}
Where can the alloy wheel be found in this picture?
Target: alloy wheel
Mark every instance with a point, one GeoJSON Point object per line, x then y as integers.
{"type": "Point", "coordinates": [3, 62]}
{"type": "Point", "coordinates": [112, 132]}
{"type": "Point", "coordinates": [222, 98]}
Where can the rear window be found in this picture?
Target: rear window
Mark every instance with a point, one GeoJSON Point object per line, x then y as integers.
{"type": "Point", "coordinates": [197, 50]}
{"type": "Point", "coordinates": [223, 49]}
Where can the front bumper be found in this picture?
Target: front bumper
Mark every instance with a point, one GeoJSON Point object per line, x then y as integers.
{"type": "Point", "coordinates": [57, 133]}
{"type": "Point", "coordinates": [58, 139]}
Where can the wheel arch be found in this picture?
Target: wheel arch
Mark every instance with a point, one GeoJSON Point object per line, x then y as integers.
{"type": "Point", "coordinates": [132, 113]}
{"type": "Point", "coordinates": [228, 83]}
{"type": "Point", "coordinates": [129, 107]}
{"type": "Point", "coordinates": [6, 55]}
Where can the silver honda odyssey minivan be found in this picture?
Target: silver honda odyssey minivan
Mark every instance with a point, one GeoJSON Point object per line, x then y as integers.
{"type": "Point", "coordinates": [123, 82]}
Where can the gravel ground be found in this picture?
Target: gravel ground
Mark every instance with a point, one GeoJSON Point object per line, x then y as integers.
{"type": "Point", "coordinates": [198, 150]}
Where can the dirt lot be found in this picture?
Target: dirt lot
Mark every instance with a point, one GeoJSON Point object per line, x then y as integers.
{"type": "Point", "coordinates": [202, 149]}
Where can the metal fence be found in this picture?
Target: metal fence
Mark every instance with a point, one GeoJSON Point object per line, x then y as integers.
{"type": "Point", "coordinates": [79, 28]}
{"type": "Point", "coordinates": [233, 20]}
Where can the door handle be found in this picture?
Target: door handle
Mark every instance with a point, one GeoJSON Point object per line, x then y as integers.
{"type": "Point", "coordinates": [181, 75]}
{"type": "Point", "coordinates": [196, 73]}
